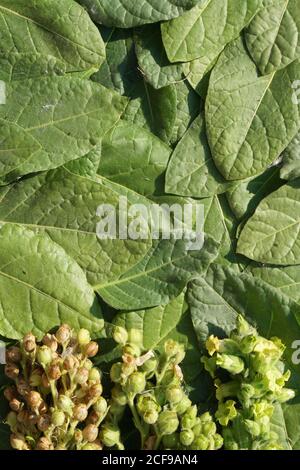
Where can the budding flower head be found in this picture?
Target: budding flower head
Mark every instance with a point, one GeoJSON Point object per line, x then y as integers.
{"type": "Point", "coordinates": [90, 433]}
{"type": "Point", "coordinates": [34, 399]}
{"type": "Point", "coordinates": [43, 422]}
{"type": "Point", "coordinates": [285, 395]}
{"type": "Point", "coordinates": [171, 348]}
{"type": "Point", "coordinates": [81, 376]}
{"type": "Point", "coordinates": [11, 420]}
{"type": "Point", "coordinates": [13, 354]}
{"type": "Point", "coordinates": [136, 383]}
{"type": "Point", "coordinates": [11, 370]}
{"type": "Point", "coordinates": [132, 349]}
{"type": "Point", "coordinates": [54, 372]}
{"type": "Point", "coordinates": [120, 335]}
{"type": "Point", "coordinates": [210, 365]}
{"type": "Point", "coordinates": [18, 442]}
{"type": "Point", "coordinates": [110, 434]}
{"type": "Point", "coordinates": [80, 412]}
{"type": "Point", "coordinates": [29, 343]}
{"type": "Point", "coordinates": [119, 395]}
{"type": "Point", "coordinates": [70, 363]}
{"type": "Point", "coordinates": [150, 365]}
{"type": "Point", "coordinates": [15, 404]}
{"type": "Point", "coordinates": [174, 394]}
{"type": "Point", "coordinates": [23, 387]}
{"type": "Point", "coordinates": [201, 443]}
{"type": "Point", "coordinates": [94, 375]}
{"type": "Point", "coordinates": [44, 355]}
{"type": "Point", "coordinates": [65, 404]}
{"type": "Point", "coordinates": [35, 378]}
{"type": "Point", "coordinates": [63, 334]}
{"type": "Point", "coordinates": [83, 336]}
{"type": "Point", "coordinates": [91, 349]}
{"type": "Point", "coordinates": [171, 441]}
{"type": "Point", "coordinates": [94, 392]}
{"type": "Point", "coordinates": [43, 444]}
{"type": "Point", "coordinates": [167, 422]}
{"type": "Point", "coordinates": [226, 412]}
{"type": "Point", "coordinates": [233, 364]}
{"type": "Point", "coordinates": [58, 418]}
{"type": "Point", "coordinates": [187, 437]}
{"type": "Point", "coordinates": [243, 327]}
{"type": "Point", "coordinates": [100, 406]}
{"type": "Point", "coordinates": [50, 341]}
{"type": "Point", "coordinates": [116, 372]}
{"type": "Point", "coordinates": [188, 420]}
{"type": "Point", "coordinates": [150, 417]}
{"type": "Point", "coordinates": [10, 393]}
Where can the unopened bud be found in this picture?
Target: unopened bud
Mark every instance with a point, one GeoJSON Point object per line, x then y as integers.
{"type": "Point", "coordinates": [70, 363]}
{"type": "Point", "coordinates": [11, 370]}
{"type": "Point", "coordinates": [120, 335]}
{"type": "Point", "coordinates": [90, 433]}
{"type": "Point", "coordinates": [43, 422]}
{"type": "Point", "coordinates": [150, 417]}
{"type": "Point", "coordinates": [83, 336]}
{"type": "Point", "coordinates": [100, 406]}
{"type": "Point", "coordinates": [119, 395]}
{"type": "Point", "coordinates": [136, 383]}
{"type": "Point", "coordinates": [80, 412]}
{"type": "Point", "coordinates": [65, 404]}
{"type": "Point", "coordinates": [167, 422]}
{"type": "Point", "coordinates": [45, 381]}
{"type": "Point", "coordinates": [90, 349]}
{"type": "Point", "coordinates": [54, 372]}
{"type": "Point", "coordinates": [63, 334]}
{"type": "Point", "coordinates": [116, 372]}
{"type": "Point", "coordinates": [188, 420]}
{"type": "Point", "coordinates": [13, 354]}
{"type": "Point", "coordinates": [58, 418]}
{"type": "Point", "coordinates": [15, 404]}
{"type": "Point", "coordinates": [94, 375]}
{"type": "Point", "coordinates": [23, 387]}
{"type": "Point", "coordinates": [50, 341]}
{"type": "Point", "coordinates": [29, 343]}
{"type": "Point", "coordinates": [186, 437]}
{"type": "Point", "coordinates": [35, 379]}
{"type": "Point", "coordinates": [43, 444]}
{"type": "Point", "coordinates": [201, 443]}
{"type": "Point", "coordinates": [18, 442]}
{"type": "Point", "coordinates": [78, 437]}
{"type": "Point", "coordinates": [34, 399]}
{"type": "Point", "coordinates": [174, 394]}
{"type": "Point", "coordinates": [44, 355]}
{"type": "Point", "coordinates": [94, 392]}
{"type": "Point", "coordinates": [10, 393]}
{"type": "Point", "coordinates": [110, 435]}
{"type": "Point", "coordinates": [132, 350]}
{"type": "Point", "coordinates": [11, 420]}
{"type": "Point", "coordinates": [81, 376]}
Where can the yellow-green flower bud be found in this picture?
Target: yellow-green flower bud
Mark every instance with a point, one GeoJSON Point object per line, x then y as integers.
{"type": "Point", "coordinates": [110, 435]}
{"type": "Point", "coordinates": [83, 336]}
{"type": "Point", "coordinates": [118, 395]}
{"type": "Point", "coordinates": [120, 335]}
{"type": "Point", "coordinates": [58, 418]}
{"type": "Point", "coordinates": [226, 412]}
{"type": "Point", "coordinates": [171, 441]}
{"type": "Point", "coordinates": [233, 364]}
{"type": "Point", "coordinates": [174, 394]}
{"type": "Point", "coordinates": [183, 405]}
{"type": "Point", "coordinates": [167, 422]}
{"type": "Point", "coordinates": [150, 417]}
{"type": "Point", "coordinates": [116, 372]}
{"type": "Point", "coordinates": [100, 406]}
{"type": "Point", "coordinates": [65, 404]}
{"type": "Point", "coordinates": [136, 383]}
{"type": "Point", "coordinates": [187, 437]}
{"type": "Point", "coordinates": [44, 355]}
{"type": "Point", "coordinates": [188, 420]}
{"type": "Point", "coordinates": [200, 443]}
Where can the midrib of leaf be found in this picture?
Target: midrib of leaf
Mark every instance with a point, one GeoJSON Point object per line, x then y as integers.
{"type": "Point", "coordinates": [139, 274]}
{"type": "Point", "coordinates": [272, 75]}
{"type": "Point", "coordinates": [279, 231]}
{"type": "Point", "coordinates": [69, 118]}
{"type": "Point", "coordinates": [30, 20]}
{"type": "Point", "coordinates": [191, 27]}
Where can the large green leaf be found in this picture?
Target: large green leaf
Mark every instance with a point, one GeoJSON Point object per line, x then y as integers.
{"type": "Point", "coordinates": [64, 206]}
{"type": "Point", "coordinates": [51, 27]}
{"type": "Point", "coordinates": [119, 70]}
{"type": "Point", "coordinates": [191, 170]}
{"type": "Point", "coordinates": [291, 160]}
{"type": "Point", "coordinates": [216, 300]}
{"type": "Point", "coordinates": [70, 112]}
{"type": "Point", "coordinates": [273, 35]}
{"type": "Point", "coordinates": [285, 278]}
{"type": "Point", "coordinates": [249, 119]}
{"type": "Point", "coordinates": [160, 276]}
{"type": "Point", "coordinates": [37, 299]}
{"type": "Point", "coordinates": [292, 425]}
{"type": "Point", "coordinates": [17, 146]}
{"type": "Point", "coordinates": [187, 109]}
{"type": "Point", "coordinates": [272, 234]}
{"type": "Point", "coordinates": [153, 109]}
{"type": "Point", "coordinates": [134, 157]}
{"type": "Point", "coordinates": [206, 29]}
{"type": "Point", "coordinates": [15, 66]}
{"type": "Point", "coordinates": [152, 59]}
{"type": "Point", "coordinates": [245, 197]}
{"type": "Point", "coordinates": [129, 13]}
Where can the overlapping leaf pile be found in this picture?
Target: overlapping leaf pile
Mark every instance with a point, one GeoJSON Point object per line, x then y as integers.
{"type": "Point", "coordinates": [158, 101]}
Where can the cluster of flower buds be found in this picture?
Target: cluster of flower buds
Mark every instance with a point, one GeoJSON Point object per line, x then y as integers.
{"type": "Point", "coordinates": [151, 385]}
{"type": "Point", "coordinates": [56, 396]}
{"type": "Point", "coordinates": [250, 381]}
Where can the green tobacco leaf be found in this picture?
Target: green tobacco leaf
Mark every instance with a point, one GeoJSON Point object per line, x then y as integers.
{"type": "Point", "coordinates": [197, 73]}
{"type": "Point", "coordinates": [278, 425]}
{"type": "Point", "coordinates": [191, 170]}
{"type": "Point", "coordinates": [51, 27]}
{"type": "Point", "coordinates": [129, 13]}
{"type": "Point", "coordinates": [64, 206]}
{"type": "Point", "coordinates": [187, 109]}
{"type": "Point", "coordinates": [35, 299]}
{"type": "Point", "coordinates": [245, 197]}
{"type": "Point", "coordinates": [285, 278]}
{"type": "Point", "coordinates": [119, 70]}
{"type": "Point", "coordinates": [133, 157]}
{"type": "Point", "coordinates": [17, 146]}
{"type": "Point", "coordinates": [291, 160]}
{"type": "Point", "coordinates": [273, 35]}
{"type": "Point", "coordinates": [249, 120]}
{"type": "Point", "coordinates": [292, 425]}
{"type": "Point", "coordinates": [197, 34]}
{"type": "Point", "coordinates": [73, 113]}
{"type": "Point", "coordinates": [153, 109]}
{"type": "Point", "coordinates": [160, 276]}
{"type": "Point", "coordinates": [216, 300]}
{"type": "Point", "coordinates": [152, 59]}
{"type": "Point", "coordinates": [272, 234]}
{"type": "Point", "coordinates": [15, 66]}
